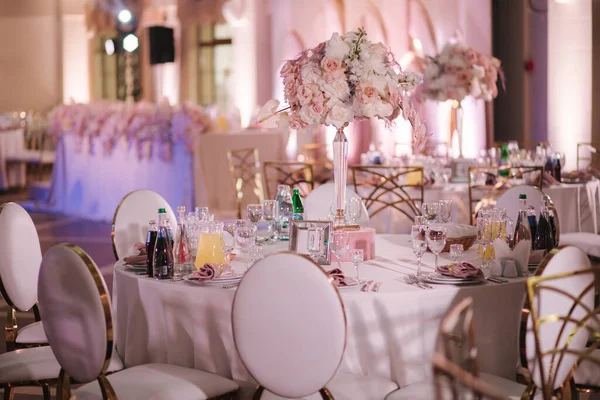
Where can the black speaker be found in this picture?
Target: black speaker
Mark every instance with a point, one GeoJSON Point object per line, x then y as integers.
{"type": "Point", "coordinates": [162, 48]}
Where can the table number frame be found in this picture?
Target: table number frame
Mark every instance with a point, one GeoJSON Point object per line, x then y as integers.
{"type": "Point", "coordinates": [299, 238]}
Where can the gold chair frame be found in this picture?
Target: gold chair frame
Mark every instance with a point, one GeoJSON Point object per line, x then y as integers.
{"type": "Point", "coordinates": [445, 365]}
{"type": "Point", "coordinates": [502, 184]}
{"type": "Point", "coordinates": [296, 174]}
{"type": "Point", "coordinates": [534, 285]}
{"type": "Point", "coordinates": [316, 154]}
{"type": "Point", "coordinates": [593, 153]}
{"type": "Point", "coordinates": [384, 180]}
{"type": "Point", "coordinates": [244, 167]}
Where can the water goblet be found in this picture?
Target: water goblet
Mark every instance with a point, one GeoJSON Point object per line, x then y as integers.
{"type": "Point", "coordinates": [430, 211]}
{"type": "Point", "coordinates": [201, 213]}
{"type": "Point", "coordinates": [445, 210]}
{"type": "Point", "coordinates": [339, 245]}
{"type": "Point", "coordinates": [436, 240]}
{"type": "Point", "coordinates": [418, 242]}
{"type": "Point", "coordinates": [255, 213]}
{"type": "Point", "coordinates": [420, 220]}
{"type": "Point", "coordinates": [447, 174]}
{"type": "Point", "coordinates": [227, 250]}
{"type": "Point", "coordinates": [315, 243]}
{"type": "Point", "coordinates": [270, 208]}
{"type": "Point", "coordinates": [244, 237]}
{"type": "Point", "coordinates": [354, 209]}
{"type": "Point", "coordinates": [357, 256]}
{"type": "Point", "coordinates": [456, 252]}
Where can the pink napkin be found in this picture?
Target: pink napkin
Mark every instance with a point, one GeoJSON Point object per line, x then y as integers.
{"type": "Point", "coordinates": [211, 271]}
{"type": "Point", "coordinates": [460, 270]}
{"type": "Point", "coordinates": [338, 277]}
{"type": "Point", "coordinates": [140, 258]}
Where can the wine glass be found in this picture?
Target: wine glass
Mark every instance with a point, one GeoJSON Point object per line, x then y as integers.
{"type": "Point", "coordinates": [354, 209]}
{"type": "Point", "coordinates": [270, 208]}
{"type": "Point", "coordinates": [418, 241]}
{"type": "Point", "coordinates": [436, 240]}
{"type": "Point", "coordinates": [484, 237]}
{"type": "Point", "coordinates": [315, 242]}
{"type": "Point", "coordinates": [456, 252]}
{"type": "Point", "coordinates": [357, 256]}
{"type": "Point", "coordinates": [445, 210]}
{"type": "Point", "coordinates": [201, 214]}
{"type": "Point", "coordinates": [255, 213]}
{"type": "Point", "coordinates": [420, 220]}
{"type": "Point", "coordinates": [339, 245]}
{"type": "Point", "coordinates": [447, 174]}
{"type": "Point", "coordinates": [430, 211]}
{"type": "Point", "coordinates": [244, 237]}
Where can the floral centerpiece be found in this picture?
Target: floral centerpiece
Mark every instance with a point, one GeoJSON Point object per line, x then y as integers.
{"type": "Point", "coordinates": [459, 71]}
{"type": "Point", "coordinates": [345, 78]}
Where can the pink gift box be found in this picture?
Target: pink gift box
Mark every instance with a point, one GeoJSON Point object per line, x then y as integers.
{"type": "Point", "coordinates": [361, 239]}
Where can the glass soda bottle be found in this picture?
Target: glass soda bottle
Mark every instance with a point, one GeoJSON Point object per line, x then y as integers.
{"type": "Point", "coordinates": [163, 252]}
{"type": "Point", "coordinates": [297, 205]}
{"type": "Point", "coordinates": [531, 217]}
{"type": "Point", "coordinates": [150, 242]}
{"type": "Point", "coordinates": [182, 247]}
{"type": "Point", "coordinates": [170, 232]}
{"type": "Point", "coordinates": [543, 237]}
{"type": "Point", "coordinates": [284, 197]}
{"type": "Point", "coordinates": [522, 229]}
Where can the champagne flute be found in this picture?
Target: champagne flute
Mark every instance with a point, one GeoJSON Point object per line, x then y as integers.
{"type": "Point", "coordinates": [484, 233]}
{"type": "Point", "coordinates": [419, 244]}
{"type": "Point", "coordinates": [255, 213]}
{"type": "Point", "coordinates": [436, 240]}
{"type": "Point", "coordinates": [357, 256]}
{"type": "Point", "coordinates": [315, 243]}
{"type": "Point", "coordinates": [339, 245]}
{"type": "Point", "coordinates": [245, 236]}
{"type": "Point", "coordinates": [270, 208]}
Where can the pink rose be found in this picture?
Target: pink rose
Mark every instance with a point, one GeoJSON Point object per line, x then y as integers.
{"type": "Point", "coordinates": [330, 64]}
{"type": "Point", "coordinates": [296, 122]}
{"type": "Point", "coordinates": [463, 77]}
{"type": "Point", "coordinates": [306, 93]}
{"type": "Point", "coordinates": [288, 69]}
{"type": "Point", "coordinates": [319, 48]}
{"type": "Point", "coordinates": [471, 56]}
{"type": "Point", "coordinates": [450, 69]}
{"type": "Point", "coordinates": [367, 92]}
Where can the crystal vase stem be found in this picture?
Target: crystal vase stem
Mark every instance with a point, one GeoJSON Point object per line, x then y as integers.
{"type": "Point", "coordinates": [340, 174]}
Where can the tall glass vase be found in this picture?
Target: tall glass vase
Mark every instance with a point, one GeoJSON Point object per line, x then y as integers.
{"type": "Point", "coordinates": [458, 116]}
{"type": "Point", "coordinates": [340, 175]}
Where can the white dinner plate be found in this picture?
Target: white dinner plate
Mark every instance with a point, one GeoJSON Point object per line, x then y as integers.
{"type": "Point", "coordinates": [439, 279]}
{"type": "Point", "coordinates": [136, 267]}
{"type": "Point", "coordinates": [226, 280]}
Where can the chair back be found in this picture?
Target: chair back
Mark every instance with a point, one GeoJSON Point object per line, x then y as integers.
{"type": "Point", "coordinates": [317, 204]}
{"type": "Point", "coordinates": [509, 199]}
{"type": "Point", "coordinates": [455, 368]}
{"type": "Point", "coordinates": [130, 222]}
{"type": "Point", "coordinates": [561, 307]}
{"type": "Point", "coordinates": [291, 343]}
{"type": "Point", "coordinates": [397, 187]}
{"type": "Point", "coordinates": [76, 310]}
{"type": "Point", "coordinates": [587, 155]}
{"type": "Point", "coordinates": [244, 167]}
{"type": "Point", "coordinates": [295, 174]}
{"type": "Point", "coordinates": [20, 257]}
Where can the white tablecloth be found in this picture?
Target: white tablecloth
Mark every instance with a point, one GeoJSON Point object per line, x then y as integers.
{"type": "Point", "coordinates": [564, 196]}
{"type": "Point", "coordinates": [211, 162]}
{"type": "Point", "coordinates": [12, 175]}
{"type": "Point", "coordinates": [91, 184]}
{"type": "Point", "coordinates": [391, 333]}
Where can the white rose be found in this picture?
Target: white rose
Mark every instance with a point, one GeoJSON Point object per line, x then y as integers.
{"type": "Point", "coordinates": [311, 113]}
{"type": "Point", "coordinates": [458, 62]}
{"type": "Point", "coordinates": [376, 109]}
{"type": "Point", "coordinates": [479, 71]}
{"type": "Point", "coordinates": [338, 89]}
{"type": "Point", "coordinates": [475, 88]}
{"type": "Point", "coordinates": [339, 115]}
{"type": "Point", "coordinates": [336, 47]}
{"type": "Point", "coordinates": [380, 83]}
{"type": "Point", "coordinates": [311, 73]}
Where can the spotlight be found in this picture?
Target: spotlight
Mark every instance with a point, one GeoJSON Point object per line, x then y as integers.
{"type": "Point", "coordinates": [124, 16]}
{"type": "Point", "coordinates": [130, 43]}
{"type": "Point", "coordinates": [109, 47]}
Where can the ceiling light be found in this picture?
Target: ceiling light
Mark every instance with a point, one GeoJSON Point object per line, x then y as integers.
{"type": "Point", "coordinates": [130, 43]}
{"type": "Point", "coordinates": [124, 16]}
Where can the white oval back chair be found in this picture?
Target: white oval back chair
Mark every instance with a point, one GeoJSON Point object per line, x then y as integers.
{"type": "Point", "coordinates": [130, 222]}
{"type": "Point", "coordinates": [74, 299]}
{"type": "Point", "coordinates": [317, 203]}
{"type": "Point", "coordinates": [289, 328]}
{"type": "Point", "coordinates": [560, 297]}
{"type": "Point", "coordinates": [20, 258]}
{"type": "Point", "coordinates": [510, 200]}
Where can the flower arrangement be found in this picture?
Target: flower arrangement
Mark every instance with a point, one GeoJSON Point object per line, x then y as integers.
{"type": "Point", "coordinates": [140, 122]}
{"type": "Point", "coordinates": [343, 79]}
{"type": "Point", "coordinates": [459, 71]}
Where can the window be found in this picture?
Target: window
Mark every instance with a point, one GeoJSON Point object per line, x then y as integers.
{"type": "Point", "coordinates": [215, 59]}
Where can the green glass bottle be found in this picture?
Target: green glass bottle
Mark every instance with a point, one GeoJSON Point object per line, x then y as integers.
{"type": "Point", "coordinates": [297, 205]}
{"type": "Point", "coordinates": [504, 161]}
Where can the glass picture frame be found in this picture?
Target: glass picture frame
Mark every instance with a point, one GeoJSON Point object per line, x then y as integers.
{"type": "Point", "coordinates": [299, 238]}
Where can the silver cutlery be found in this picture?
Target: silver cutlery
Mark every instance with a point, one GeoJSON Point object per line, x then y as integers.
{"type": "Point", "coordinates": [496, 279]}
{"type": "Point", "coordinates": [366, 286]}
{"type": "Point", "coordinates": [408, 281]}
{"type": "Point", "coordinates": [233, 285]}
{"type": "Point", "coordinates": [376, 286]}
{"type": "Point", "coordinates": [413, 278]}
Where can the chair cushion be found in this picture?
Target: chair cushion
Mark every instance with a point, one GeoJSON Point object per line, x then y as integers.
{"type": "Point", "coordinates": [588, 372]}
{"type": "Point", "coordinates": [32, 334]}
{"type": "Point", "coordinates": [588, 242]}
{"type": "Point", "coordinates": [346, 386]}
{"type": "Point", "coordinates": [426, 390]}
{"type": "Point", "coordinates": [37, 363]}
{"type": "Point", "coordinates": [161, 382]}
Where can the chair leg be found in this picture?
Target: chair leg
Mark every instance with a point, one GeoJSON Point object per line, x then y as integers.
{"type": "Point", "coordinates": [46, 391]}
{"type": "Point", "coordinates": [8, 393]}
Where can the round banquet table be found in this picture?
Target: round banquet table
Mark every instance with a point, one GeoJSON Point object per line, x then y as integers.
{"type": "Point", "coordinates": [391, 333]}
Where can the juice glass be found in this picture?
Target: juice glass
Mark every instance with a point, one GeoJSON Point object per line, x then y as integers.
{"type": "Point", "coordinates": [210, 244]}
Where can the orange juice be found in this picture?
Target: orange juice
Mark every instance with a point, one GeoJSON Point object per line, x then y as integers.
{"type": "Point", "coordinates": [210, 250]}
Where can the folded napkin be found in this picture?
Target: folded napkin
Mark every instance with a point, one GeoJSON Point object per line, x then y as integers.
{"type": "Point", "coordinates": [460, 270]}
{"type": "Point", "coordinates": [211, 271]}
{"type": "Point", "coordinates": [338, 277]}
{"type": "Point", "coordinates": [140, 247]}
{"type": "Point", "coordinates": [141, 259]}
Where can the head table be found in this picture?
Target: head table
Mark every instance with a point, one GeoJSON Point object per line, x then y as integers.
{"type": "Point", "coordinates": [391, 333]}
